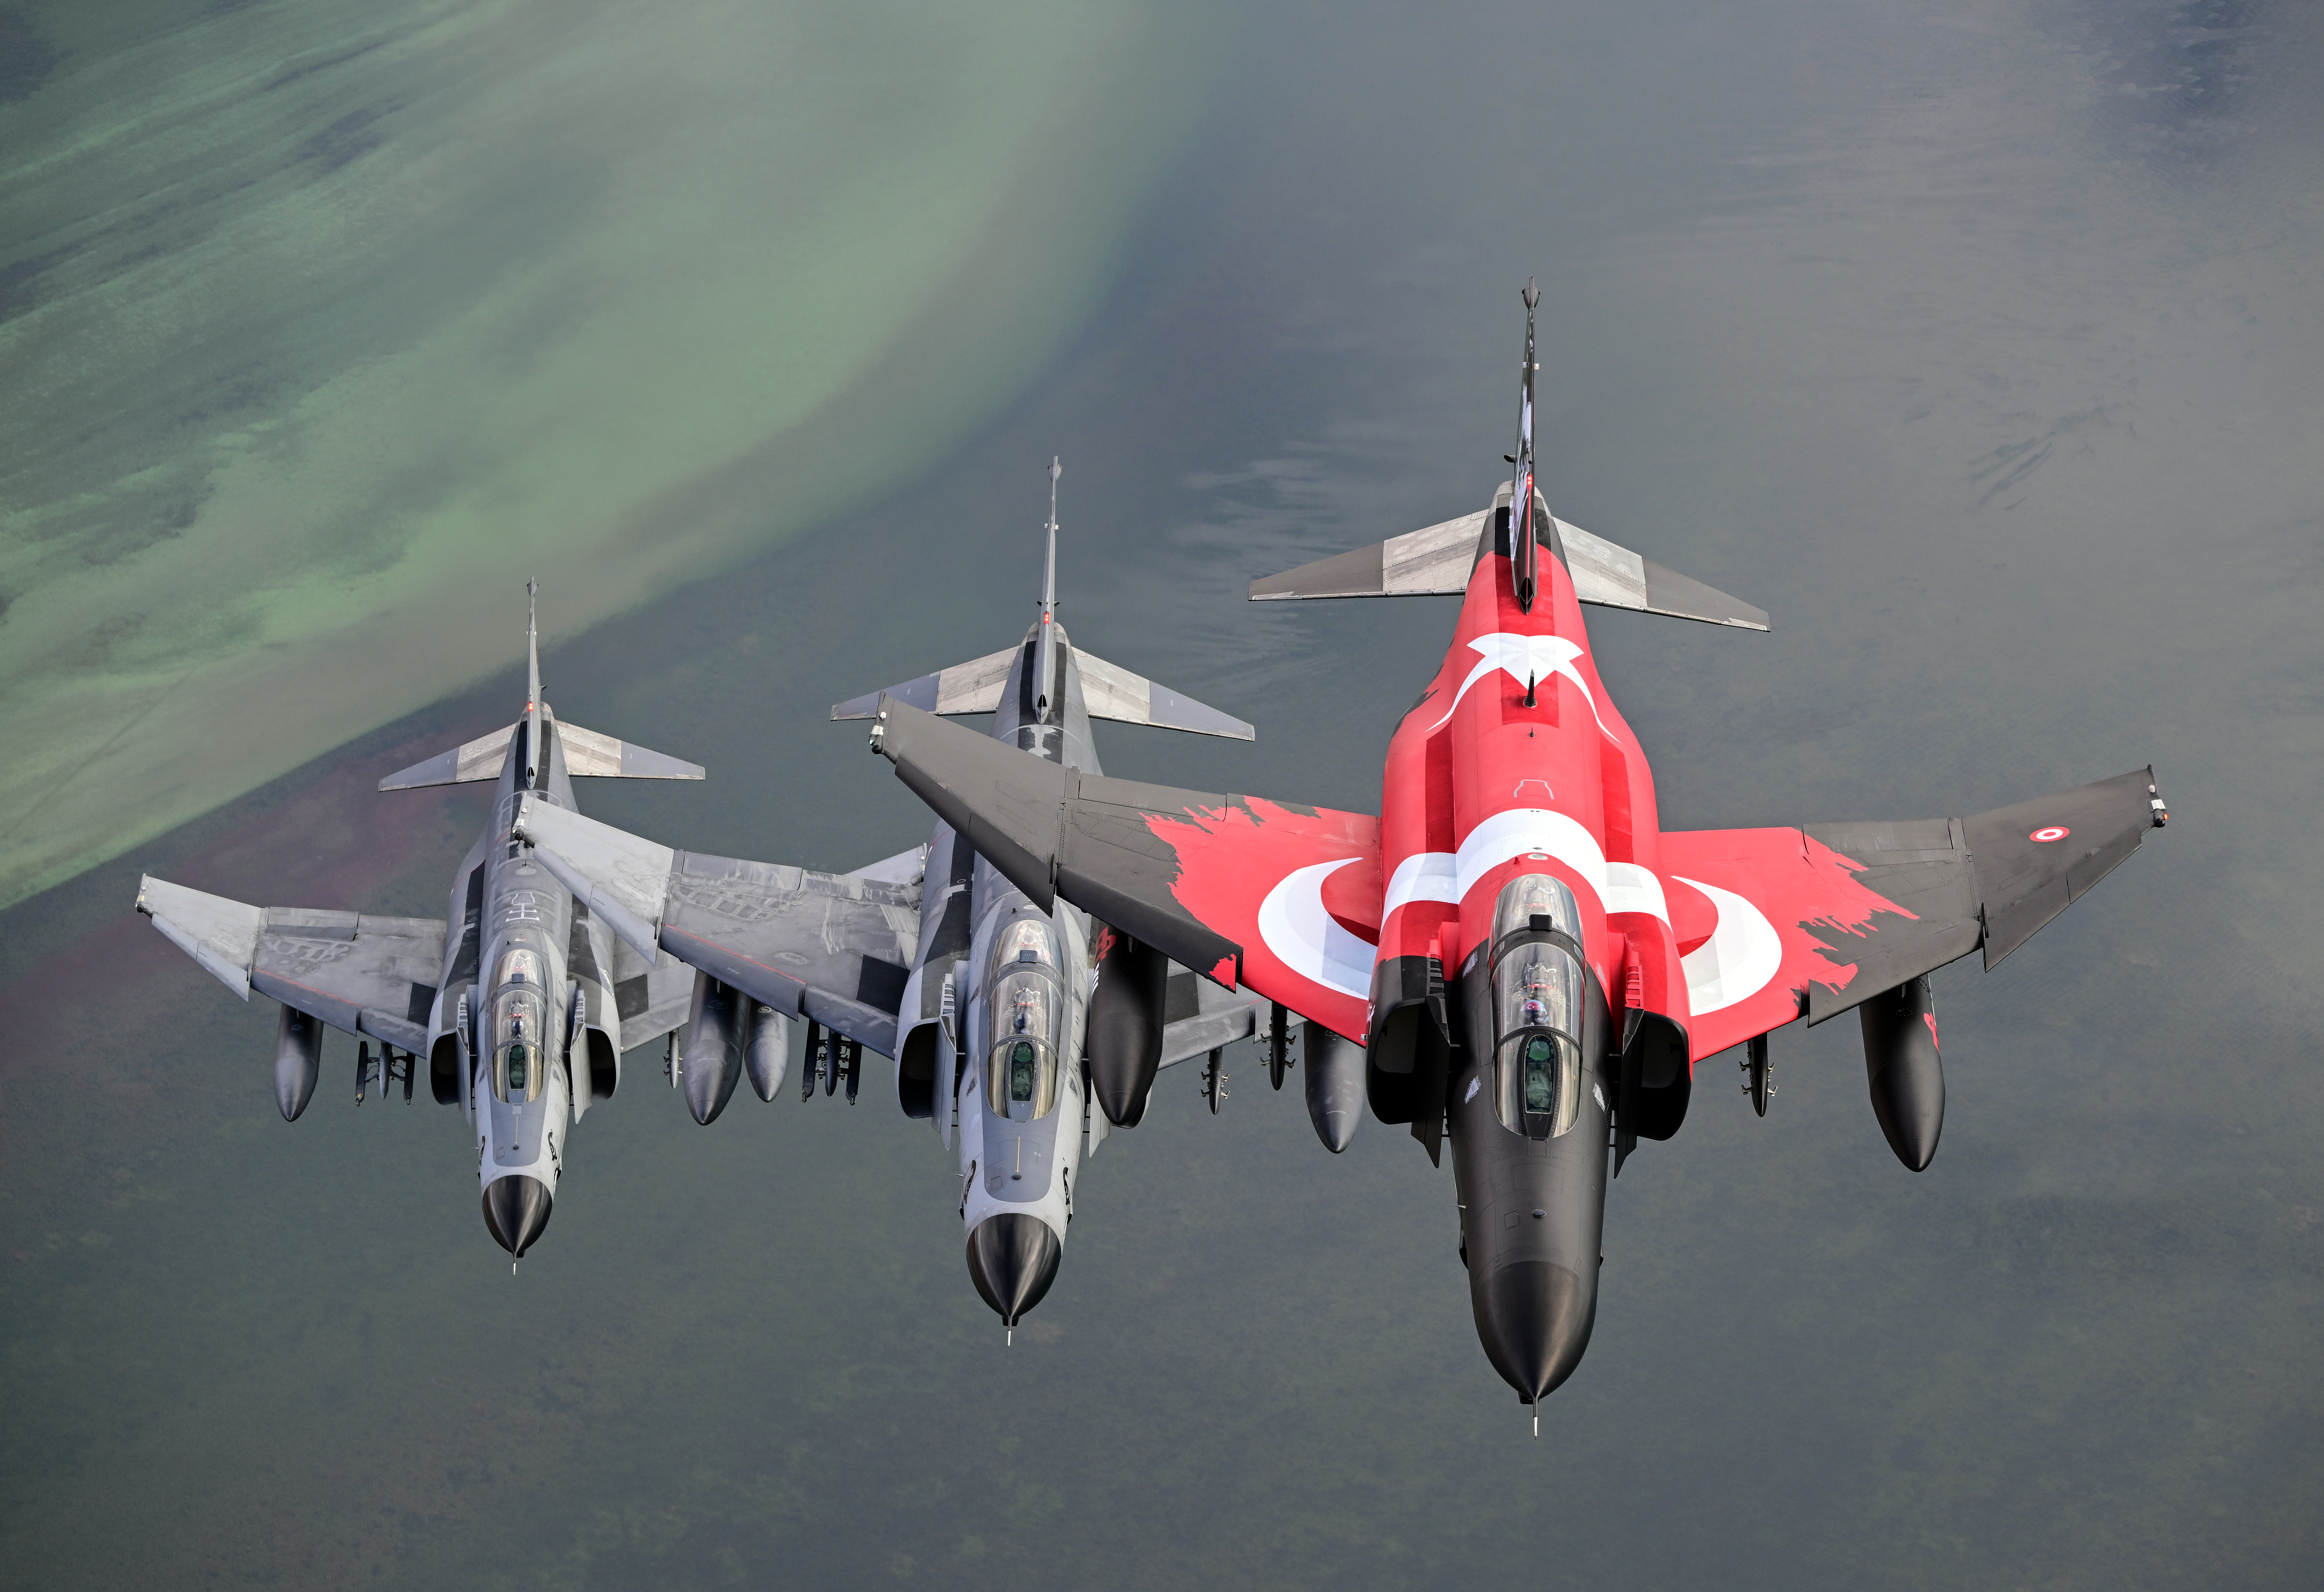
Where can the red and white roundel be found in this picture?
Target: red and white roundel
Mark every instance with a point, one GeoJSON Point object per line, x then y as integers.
{"type": "Point", "coordinates": [2049, 832]}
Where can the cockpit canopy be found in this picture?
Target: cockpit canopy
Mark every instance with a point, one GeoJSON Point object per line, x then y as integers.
{"type": "Point", "coordinates": [1024, 939]}
{"type": "Point", "coordinates": [1538, 990]}
{"type": "Point", "coordinates": [1025, 1013]}
{"type": "Point", "coordinates": [1532, 896]}
{"type": "Point", "coordinates": [520, 1059]}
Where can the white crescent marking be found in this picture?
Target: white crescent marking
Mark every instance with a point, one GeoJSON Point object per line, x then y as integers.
{"type": "Point", "coordinates": [1633, 888]}
{"type": "Point", "coordinates": [1532, 658]}
{"type": "Point", "coordinates": [1743, 954]}
{"type": "Point", "coordinates": [1523, 831]}
{"type": "Point", "coordinates": [1441, 876]}
{"type": "Point", "coordinates": [1425, 875]}
{"type": "Point", "coordinates": [1308, 940]}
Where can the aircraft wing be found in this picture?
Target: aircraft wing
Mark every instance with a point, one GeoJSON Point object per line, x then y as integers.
{"type": "Point", "coordinates": [654, 995]}
{"type": "Point", "coordinates": [1777, 924]}
{"type": "Point", "coordinates": [359, 972]}
{"type": "Point", "coordinates": [833, 948]}
{"type": "Point", "coordinates": [1282, 899]}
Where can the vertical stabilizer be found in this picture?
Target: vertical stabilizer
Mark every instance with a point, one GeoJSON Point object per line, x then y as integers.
{"type": "Point", "coordinates": [531, 683]}
{"type": "Point", "coordinates": [1044, 665]}
{"type": "Point", "coordinates": [587, 751]}
{"type": "Point", "coordinates": [1524, 554]}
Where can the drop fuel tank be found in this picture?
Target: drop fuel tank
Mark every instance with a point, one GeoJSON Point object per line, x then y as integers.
{"type": "Point", "coordinates": [298, 1059]}
{"type": "Point", "coordinates": [1906, 1076]}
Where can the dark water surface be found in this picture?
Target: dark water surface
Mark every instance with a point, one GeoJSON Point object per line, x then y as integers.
{"type": "Point", "coordinates": [1979, 343]}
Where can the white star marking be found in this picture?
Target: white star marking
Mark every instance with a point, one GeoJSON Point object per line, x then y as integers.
{"type": "Point", "coordinates": [1528, 659]}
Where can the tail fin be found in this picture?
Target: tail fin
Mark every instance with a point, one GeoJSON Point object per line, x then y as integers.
{"type": "Point", "coordinates": [1044, 660]}
{"type": "Point", "coordinates": [1108, 690]}
{"type": "Point", "coordinates": [1524, 568]}
{"type": "Point", "coordinates": [532, 681]}
{"type": "Point", "coordinates": [587, 752]}
{"type": "Point", "coordinates": [1439, 559]}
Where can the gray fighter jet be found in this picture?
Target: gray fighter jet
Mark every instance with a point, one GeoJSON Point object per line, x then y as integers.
{"type": "Point", "coordinates": [1008, 1020]}
{"type": "Point", "coordinates": [521, 1015]}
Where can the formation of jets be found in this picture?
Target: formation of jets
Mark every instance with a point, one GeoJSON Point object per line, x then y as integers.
{"type": "Point", "coordinates": [1512, 956]}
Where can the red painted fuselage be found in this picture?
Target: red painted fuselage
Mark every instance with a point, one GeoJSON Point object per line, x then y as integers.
{"type": "Point", "coordinates": [1523, 916]}
{"type": "Point", "coordinates": [1515, 761]}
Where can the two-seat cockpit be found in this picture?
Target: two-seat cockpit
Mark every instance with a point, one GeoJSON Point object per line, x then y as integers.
{"type": "Point", "coordinates": [1538, 992]}
{"type": "Point", "coordinates": [519, 1055]}
{"type": "Point", "coordinates": [1025, 1009]}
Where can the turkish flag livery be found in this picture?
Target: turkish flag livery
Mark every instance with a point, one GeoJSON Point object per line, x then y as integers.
{"type": "Point", "coordinates": [1298, 888]}
{"type": "Point", "coordinates": [1759, 914]}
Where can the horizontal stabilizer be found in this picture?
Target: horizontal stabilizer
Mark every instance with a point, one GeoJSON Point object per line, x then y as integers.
{"type": "Point", "coordinates": [970, 688]}
{"type": "Point", "coordinates": [601, 757]}
{"type": "Point", "coordinates": [586, 753]}
{"type": "Point", "coordinates": [1438, 559]}
{"type": "Point", "coordinates": [1109, 691]}
{"type": "Point", "coordinates": [480, 759]}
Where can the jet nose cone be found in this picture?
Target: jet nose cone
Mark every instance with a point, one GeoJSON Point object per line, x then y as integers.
{"type": "Point", "coordinates": [516, 1208]}
{"type": "Point", "coordinates": [1013, 1259]}
{"type": "Point", "coordinates": [1535, 1318]}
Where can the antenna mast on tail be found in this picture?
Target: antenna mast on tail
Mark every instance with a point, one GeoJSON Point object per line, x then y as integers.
{"type": "Point", "coordinates": [1524, 558]}
{"type": "Point", "coordinates": [1045, 650]}
{"type": "Point", "coordinates": [531, 682]}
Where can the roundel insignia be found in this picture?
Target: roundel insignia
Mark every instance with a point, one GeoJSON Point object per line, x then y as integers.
{"type": "Point", "coordinates": [2049, 832]}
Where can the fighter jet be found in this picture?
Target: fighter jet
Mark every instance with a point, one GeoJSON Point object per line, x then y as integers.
{"type": "Point", "coordinates": [522, 1014]}
{"type": "Point", "coordinates": [1533, 966]}
{"type": "Point", "coordinates": [1006, 1017]}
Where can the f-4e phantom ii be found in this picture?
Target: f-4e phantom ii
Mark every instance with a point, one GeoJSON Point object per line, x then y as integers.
{"type": "Point", "coordinates": [1008, 1017]}
{"type": "Point", "coordinates": [520, 1013]}
{"type": "Point", "coordinates": [1533, 966]}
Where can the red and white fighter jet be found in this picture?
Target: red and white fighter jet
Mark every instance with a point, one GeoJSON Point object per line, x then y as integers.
{"type": "Point", "coordinates": [1532, 964]}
